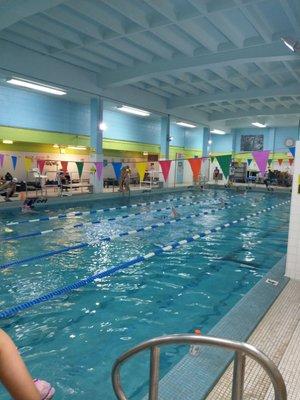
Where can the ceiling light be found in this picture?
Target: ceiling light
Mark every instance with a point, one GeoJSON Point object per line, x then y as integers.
{"type": "Point", "coordinates": [186, 124]}
{"type": "Point", "coordinates": [258, 125]}
{"type": "Point", "coordinates": [210, 141]}
{"type": "Point", "coordinates": [103, 126]}
{"type": "Point", "coordinates": [135, 111]}
{"type": "Point", "coordinates": [36, 86]}
{"type": "Point", "coordinates": [77, 147]}
{"type": "Point", "coordinates": [218, 132]}
{"type": "Point", "coordinates": [291, 44]}
{"type": "Point", "coordinates": [7, 141]}
{"type": "Point", "coordinates": [56, 146]}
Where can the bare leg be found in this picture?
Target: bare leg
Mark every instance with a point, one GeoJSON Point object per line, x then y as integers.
{"type": "Point", "coordinates": [13, 372]}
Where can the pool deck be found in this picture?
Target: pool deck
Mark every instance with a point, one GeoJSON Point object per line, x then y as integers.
{"type": "Point", "coordinates": [278, 336]}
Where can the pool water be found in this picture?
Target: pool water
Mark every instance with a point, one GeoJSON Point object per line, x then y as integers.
{"type": "Point", "coordinates": [73, 340]}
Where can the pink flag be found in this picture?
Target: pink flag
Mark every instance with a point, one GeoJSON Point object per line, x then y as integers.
{"type": "Point", "coordinates": [261, 159]}
{"type": "Point", "coordinates": [41, 164]}
{"type": "Point", "coordinates": [99, 168]}
{"type": "Point", "coordinates": [291, 160]}
{"type": "Point", "coordinates": [165, 168]}
{"type": "Point", "coordinates": [1, 160]}
{"type": "Point", "coordinates": [64, 166]}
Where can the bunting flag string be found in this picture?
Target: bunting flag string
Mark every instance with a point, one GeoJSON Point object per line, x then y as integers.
{"type": "Point", "coordinates": [14, 160]}
{"type": "Point", "coordinates": [28, 163]}
{"type": "Point", "coordinates": [99, 168]}
{"type": "Point", "coordinates": [79, 165]}
{"type": "Point", "coordinates": [280, 161]}
{"type": "Point", "coordinates": [261, 159]}
{"type": "Point", "coordinates": [195, 164]}
{"type": "Point", "coordinates": [165, 166]}
{"type": "Point", "coordinates": [141, 169]}
{"type": "Point", "coordinates": [64, 166]}
{"type": "Point", "coordinates": [291, 160]}
{"type": "Point", "coordinates": [224, 162]}
{"type": "Point", "coordinates": [1, 160]}
{"type": "Point", "coordinates": [41, 164]}
{"type": "Point", "coordinates": [292, 151]}
{"type": "Point", "coordinates": [249, 161]}
{"type": "Point", "coordinates": [117, 169]}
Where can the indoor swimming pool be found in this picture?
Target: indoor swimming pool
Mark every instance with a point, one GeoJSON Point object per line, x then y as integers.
{"type": "Point", "coordinates": [184, 260]}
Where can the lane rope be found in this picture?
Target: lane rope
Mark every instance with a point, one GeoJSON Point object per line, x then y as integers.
{"type": "Point", "coordinates": [101, 210]}
{"type": "Point", "coordinates": [96, 222]}
{"type": "Point", "coordinates": [110, 238]}
{"type": "Point", "coordinates": [11, 311]}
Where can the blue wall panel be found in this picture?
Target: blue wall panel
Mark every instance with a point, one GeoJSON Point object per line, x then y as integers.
{"type": "Point", "coordinates": [222, 143]}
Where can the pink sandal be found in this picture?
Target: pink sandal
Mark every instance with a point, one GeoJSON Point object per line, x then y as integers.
{"type": "Point", "coordinates": [45, 389]}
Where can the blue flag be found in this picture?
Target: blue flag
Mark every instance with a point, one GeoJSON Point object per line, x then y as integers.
{"type": "Point", "coordinates": [117, 168]}
{"type": "Point", "coordinates": [292, 150]}
{"type": "Point", "coordinates": [14, 160]}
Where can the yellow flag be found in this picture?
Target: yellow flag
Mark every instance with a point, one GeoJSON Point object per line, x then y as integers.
{"type": "Point", "coordinates": [28, 164]}
{"type": "Point", "coordinates": [141, 169]}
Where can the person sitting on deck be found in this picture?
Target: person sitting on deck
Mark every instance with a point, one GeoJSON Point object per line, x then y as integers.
{"type": "Point", "coordinates": [8, 188]}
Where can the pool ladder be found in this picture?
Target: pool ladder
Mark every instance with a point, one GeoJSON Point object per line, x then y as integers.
{"type": "Point", "coordinates": [241, 351]}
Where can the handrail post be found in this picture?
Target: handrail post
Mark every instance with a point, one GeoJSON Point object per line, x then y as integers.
{"type": "Point", "coordinates": [154, 373]}
{"type": "Point", "coordinates": [238, 376]}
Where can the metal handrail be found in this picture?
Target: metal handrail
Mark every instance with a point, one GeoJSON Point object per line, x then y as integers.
{"type": "Point", "coordinates": [241, 351]}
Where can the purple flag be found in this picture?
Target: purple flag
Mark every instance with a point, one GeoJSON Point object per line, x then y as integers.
{"type": "Point", "coordinates": [261, 159]}
{"type": "Point", "coordinates": [1, 160]}
{"type": "Point", "coordinates": [99, 168]}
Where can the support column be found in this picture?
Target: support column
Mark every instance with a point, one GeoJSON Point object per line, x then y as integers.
{"type": "Point", "coordinates": [165, 137]}
{"type": "Point", "coordinates": [206, 147]}
{"type": "Point", "coordinates": [96, 137]}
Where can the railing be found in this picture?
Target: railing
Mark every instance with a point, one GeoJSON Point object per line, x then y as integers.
{"type": "Point", "coordinates": [241, 351]}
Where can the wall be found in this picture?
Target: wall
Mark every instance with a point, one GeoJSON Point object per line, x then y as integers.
{"type": "Point", "coordinates": [221, 143]}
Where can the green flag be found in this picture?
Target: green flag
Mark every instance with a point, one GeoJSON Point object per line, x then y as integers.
{"type": "Point", "coordinates": [249, 161]}
{"type": "Point", "coordinates": [79, 167]}
{"type": "Point", "coordinates": [270, 161]}
{"type": "Point", "coordinates": [212, 159]}
{"type": "Point", "coordinates": [224, 162]}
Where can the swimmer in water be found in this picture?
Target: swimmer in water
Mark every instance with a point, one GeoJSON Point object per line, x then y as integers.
{"type": "Point", "coordinates": [174, 213]}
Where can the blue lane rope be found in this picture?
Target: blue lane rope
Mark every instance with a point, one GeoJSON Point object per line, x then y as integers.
{"type": "Point", "coordinates": [110, 238]}
{"type": "Point", "coordinates": [101, 210]}
{"type": "Point", "coordinates": [9, 312]}
{"type": "Point", "coordinates": [83, 224]}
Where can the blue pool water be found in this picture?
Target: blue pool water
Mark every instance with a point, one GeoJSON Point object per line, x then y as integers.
{"type": "Point", "coordinates": [73, 340]}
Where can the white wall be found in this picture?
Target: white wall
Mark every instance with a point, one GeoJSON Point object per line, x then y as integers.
{"type": "Point", "coordinates": [293, 254]}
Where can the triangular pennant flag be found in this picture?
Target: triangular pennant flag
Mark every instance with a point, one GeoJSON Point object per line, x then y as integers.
{"type": "Point", "coordinates": [292, 150]}
{"type": "Point", "coordinates": [249, 161]}
{"type": "Point", "coordinates": [212, 159]}
{"type": "Point", "coordinates": [280, 161]}
{"type": "Point", "coordinates": [261, 159]}
{"type": "Point", "coordinates": [224, 162]}
{"type": "Point", "coordinates": [79, 167]}
{"type": "Point", "coordinates": [117, 168]}
{"type": "Point", "coordinates": [195, 164]}
{"type": "Point", "coordinates": [99, 168]}
{"type": "Point", "coordinates": [141, 169]}
{"type": "Point", "coordinates": [14, 160]}
{"type": "Point", "coordinates": [270, 161]}
{"type": "Point", "coordinates": [291, 160]}
{"type": "Point", "coordinates": [28, 163]}
{"type": "Point", "coordinates": [64, 166]}
{"type": "Point", "coordinates": [165, 168]}
{"type": "Point", "coordinates": [1, 160]}
{"type": "Point", "coordinates": [41, 164]}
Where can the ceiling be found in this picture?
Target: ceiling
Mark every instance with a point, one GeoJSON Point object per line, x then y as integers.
{"type": "Point", "coordinates": [218, 62]}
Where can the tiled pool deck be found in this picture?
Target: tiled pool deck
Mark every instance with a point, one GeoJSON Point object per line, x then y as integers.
{"type": "Point", "coordinates": [278, 336]}
{"type": "Point", "coordinates": [193, 377]}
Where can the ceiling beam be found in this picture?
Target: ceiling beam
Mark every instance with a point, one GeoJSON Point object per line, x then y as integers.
{"type": "Point", "coordinates": [266, 52]}
{"type": "Point", "coordinates": [13, 11]}
{"type": "Point", "coordinates": [188, 101]}
{"type": "Point", "coordinates": [265, 111]}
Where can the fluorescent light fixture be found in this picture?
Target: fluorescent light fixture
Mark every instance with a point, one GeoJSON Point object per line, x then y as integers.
{"type": "Point", "coordinates": [77, 147]}
{"type": "Point", "coordinates": [258, 124]}
{"type": "Point", "coordinates": [7, 141]}
{"type": "Point", "coordinates": [135, 111]}
{"type": "Point", "coordinates": [56, 146]}
{"type": "Point", "coordinates": [218, 132]}
{"type": "Point", "coordinates": [186, 124]}
{"type": "Point", "coordinates": [291, 44]}
{"type": "Point", "coordinates": [103, 126]}
{"type": "Point", "coordinates": [145, 153]}
{"type": "Point", "coordinates": [36, 86]}
{"type": "Point", "coordinates": [210, 141]}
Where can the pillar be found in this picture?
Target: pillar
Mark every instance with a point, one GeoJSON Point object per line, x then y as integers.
{"type": "Point", "coordinates": [165, 137]}
{"type": "Point", "coordinates": [96, 136]}
{"type": "Point", "coordinates": [206, 147]}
